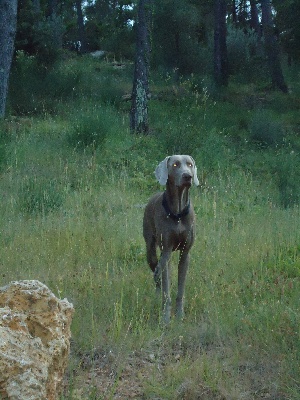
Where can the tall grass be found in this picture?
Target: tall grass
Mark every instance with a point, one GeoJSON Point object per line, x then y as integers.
{"type": "Point", "coordinates": [71, 216]}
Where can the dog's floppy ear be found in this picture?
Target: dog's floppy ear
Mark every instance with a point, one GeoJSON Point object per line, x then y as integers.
{"type": "Point", "coordinates": [161, 171]}
{"type": "Point", "coordinates": [195, 177]}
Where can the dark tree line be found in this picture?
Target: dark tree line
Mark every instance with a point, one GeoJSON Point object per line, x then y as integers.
{"type": "Point", "coordinates": [242, 17]}
{"type": "Point", "coordinates": [187, 36]}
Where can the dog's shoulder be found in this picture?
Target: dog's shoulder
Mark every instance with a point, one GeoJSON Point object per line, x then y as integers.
{"type": "Point", "coordinates": [155, 198]}
{"type": "Point", "coordinates": [154, 203]}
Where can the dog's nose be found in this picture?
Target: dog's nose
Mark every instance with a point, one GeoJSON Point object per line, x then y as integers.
{"type": "Point", "coordinates": [187, 177]}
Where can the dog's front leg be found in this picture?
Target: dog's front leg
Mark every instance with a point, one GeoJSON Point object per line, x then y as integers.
{"type": "Point", "coordinates": [163, 272]}
{"type": "Point", "coordinates": [182, 271]}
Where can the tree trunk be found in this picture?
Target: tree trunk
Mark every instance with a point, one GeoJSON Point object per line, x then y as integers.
{"type": "Point", "coordinates": [8, 23]}
{"type": "Point", "coordinates": [254, 22]}
{"type": "Point", "coordinates": [220, 46]}
{"type": "Point", "coordinates": [242, 13]}
{"type": "Point", "coordinates": [81, 29]}
{"type": "Point", "coordinates": [55, 22]}
{"type": "Point", "coordinates": [233, 12]}
{"type": "Point", "coordinates": [272, 47]}
{"type": "Point", "coordinates": [140, 90]}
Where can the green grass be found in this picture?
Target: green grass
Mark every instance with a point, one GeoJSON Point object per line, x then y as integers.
{"type": "Point", "coordinates": [71, 216]}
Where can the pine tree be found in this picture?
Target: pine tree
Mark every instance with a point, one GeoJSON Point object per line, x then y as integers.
{"type": "Point", "coordinates": [8, 22]}
{"type": "Point", "coordinates": [140, 90]}
{"type": "Point", "coordinates": [220, 46]}
{"type": "Point", "coordinates": [272, 47]}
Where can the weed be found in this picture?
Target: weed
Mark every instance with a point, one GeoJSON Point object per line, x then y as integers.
{"type": "Point", "coordinates": [91, 127]}
{"type": "Point", "coordinates": [88, 130]}
{"type": "Point", "coordinates": [40, 195]}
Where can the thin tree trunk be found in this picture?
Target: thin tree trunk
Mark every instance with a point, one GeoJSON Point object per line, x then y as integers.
{"type": "Point", "coordinates": [81, 29]}
{"type": "Point", "coordinates": [177, 57]}
{"type": "Point", "coordinates": [242, 12]}
{"type": "Point", "coordinates": [272, 47]}
{"type": "Point", "coordinates": [233, 12]}
{"type": "Point", "coordinates": [140, 90]}
{"type": "Point", "coordinates": [220, 45]}
{"type": "Point", "coordinates": [254, 22]}
{"type": "Point", "coordinates": [8, 23]}
{"type": "Point", "coordinates": [55, 23]}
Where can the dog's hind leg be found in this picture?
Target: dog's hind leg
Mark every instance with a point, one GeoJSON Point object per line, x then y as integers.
{"type": "Point", "coordinates": [151, 253]}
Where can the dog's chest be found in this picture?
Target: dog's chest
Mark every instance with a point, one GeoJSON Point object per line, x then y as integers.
{"type": "Point", "coordinates": [181, 235]}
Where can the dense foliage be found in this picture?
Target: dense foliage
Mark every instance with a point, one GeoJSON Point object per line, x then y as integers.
{"type": "Point", "coordinates": [181, 33]}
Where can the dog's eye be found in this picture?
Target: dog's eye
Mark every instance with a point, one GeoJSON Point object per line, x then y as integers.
{"type": "Point", "coordinates": [189, 164]}
{"type": "Point", "coordinates": [176, 164]}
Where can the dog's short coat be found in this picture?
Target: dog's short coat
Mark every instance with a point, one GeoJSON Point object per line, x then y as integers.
{"type": "Point", "coordinates": [169, 223]}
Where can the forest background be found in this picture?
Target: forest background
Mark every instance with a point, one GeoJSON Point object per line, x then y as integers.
{"type": "Point", "coordinates": [223, 86]}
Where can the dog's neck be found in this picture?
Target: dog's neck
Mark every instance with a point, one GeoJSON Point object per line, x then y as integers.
{"type": "Point", "coordinates": [177, 197]}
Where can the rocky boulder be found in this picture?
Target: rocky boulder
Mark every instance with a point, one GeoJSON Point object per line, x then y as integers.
{"type": "Point", "coordinates": [34, 341]}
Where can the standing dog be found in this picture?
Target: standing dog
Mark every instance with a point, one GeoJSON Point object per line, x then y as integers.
{"type": "Point", "coordinates": [169, 223]}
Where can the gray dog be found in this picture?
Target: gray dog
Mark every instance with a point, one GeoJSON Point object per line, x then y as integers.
{"type": "Point", "coordinates": [169, 223]}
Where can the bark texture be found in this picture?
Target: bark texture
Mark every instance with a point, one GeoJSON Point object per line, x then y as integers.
{"type": "Point", "coordinates": [220, 45]}
{"type": "Point", "coordinates": [8, 22]}
{"type": "Point", "coordinates": [272, 47]}
{"type": "Point", "coordinates": [254, 17]}
{"type": "Point", "coordinates": [140, 90]}
{"type": "Point", "coordinates": [80, 24]}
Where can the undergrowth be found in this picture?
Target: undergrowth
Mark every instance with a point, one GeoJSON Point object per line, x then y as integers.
{"type": "Point", "coordinates": [73, 189]}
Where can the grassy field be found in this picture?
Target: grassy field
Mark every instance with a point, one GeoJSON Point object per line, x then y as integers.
{"type": "Point", "coordinates": [74, 182]}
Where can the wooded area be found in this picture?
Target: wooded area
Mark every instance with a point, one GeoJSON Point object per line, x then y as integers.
{"type": "Point", "coordinates": [179, 36]}
{"type": "Point", "coordinates": [100, 91]}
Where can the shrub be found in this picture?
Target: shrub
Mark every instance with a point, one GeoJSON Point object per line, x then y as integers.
{"type": "Point", "coordinates": [245, 56]}
{"type": "Point", "coordinates": [35, 89]}
{"type": "Point", "coordinates": [286, 170]}
{"type": "Point", "coordinates": [24, 84]}
{"type": "Point", "coordinates": [61, 82]}
{"type": "Point", "coordinates": [92, 126]}
{"type": "Point", "coordinates": [179, 138]}
{"type": "Point", "coordinates": [265, 130]}
{"type": "Point", "coordinates": [38, 89]}
{"type": "Point", "coordinates": [48, 40]}
{"type": "Point", "coordinates": [3, 139]}
{"type": "Point", "coordinates": [108, 89]}
{"type": "Point", "coordinates": [88, 130]}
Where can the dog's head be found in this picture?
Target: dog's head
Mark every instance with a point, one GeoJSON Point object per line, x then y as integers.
{"type": "Point", "coordinates": [181, 170]}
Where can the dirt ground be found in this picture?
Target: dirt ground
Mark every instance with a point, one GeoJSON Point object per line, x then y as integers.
{"type": "Point", "coordinates": [104, 375]}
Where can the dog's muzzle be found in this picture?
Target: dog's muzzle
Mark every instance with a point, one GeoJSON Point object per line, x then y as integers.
{"type": "Point", "coordinates": [186, 179]}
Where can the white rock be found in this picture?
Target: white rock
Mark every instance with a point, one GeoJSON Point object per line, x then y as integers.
{"type": "Point", "coordinates": [34, 341]}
